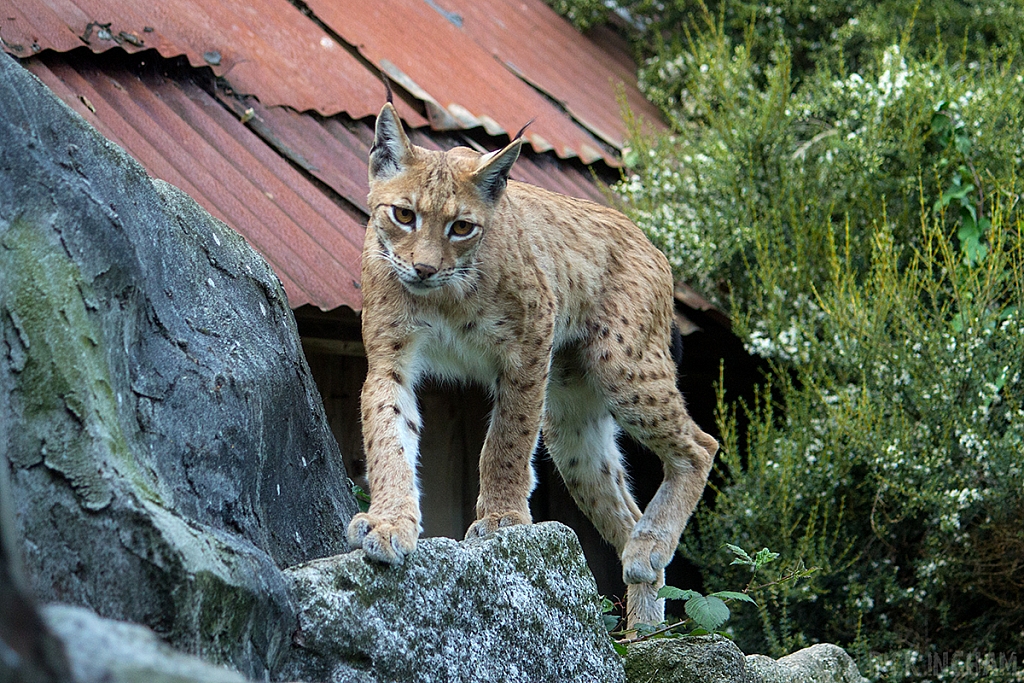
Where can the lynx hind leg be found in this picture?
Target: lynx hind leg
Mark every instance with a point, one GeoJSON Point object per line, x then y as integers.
{"type": "Point", "coordinates": [639, 383]}
{"type": "Point", "coordinates": [642, 603]}
{"type": "Point", "coordinates": [580, 435]}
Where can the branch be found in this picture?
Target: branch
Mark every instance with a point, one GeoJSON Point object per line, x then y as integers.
{"type": "Point", "coordinates": [797, 574]}
{"type": "Point", "coordinates": [645, 636]}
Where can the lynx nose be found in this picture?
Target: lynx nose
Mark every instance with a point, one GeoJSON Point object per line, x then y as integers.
{"type": "Point", "coordinates": [424, 270]}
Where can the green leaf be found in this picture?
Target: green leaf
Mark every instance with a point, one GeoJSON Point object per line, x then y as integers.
{"type": "Point", "coordinates": [361, 496]}
{"type": "Point", "coordinates": [620, 649]}
{"type": "Point", "coordinates": [700, 632]}
{"type": "Point", "coordinates": [968, 230]}
{"type": "Point", "coordinates": [962, 143]}
{"type": "Point", "coordinates": [978, 254]}
{"type": "Point", "coordinates": [741, 555]}
{"type": "Point", "coordinates": [732, 595]}
{"type": "Point", "coordinates": [645, 629]}
{"type": "Point", "coordinates": [956, 192]}
{"type": "Point", "coordinates": [673, 593]}
{"type": "Point", "coordinates": [763, 557]}
{"type": "Point", "coordinates": [610, 622]}
{"type": "Point", "coordinates": [968, 209]}
{"type": "Point", "coordinates": [709, 612]}
{"type": "Point", "coordinates": [970, 234]}
{"type": "Point", "coordinates": [941, 123]}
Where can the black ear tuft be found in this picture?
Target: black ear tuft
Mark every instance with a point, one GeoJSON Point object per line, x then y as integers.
{"type": "Point", "coordinates": [387, 88]}
{"type": "Point", "coordinates": [492, 175]}
{"type": "Point", "coordinates": [391, 149]}
{"type": "Point", "coordinates": [523, 129]}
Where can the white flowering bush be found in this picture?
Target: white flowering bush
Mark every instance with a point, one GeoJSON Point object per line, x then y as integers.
{"type": "Point", "coordinates": [864, 229]}
{"type": "Point", "coordinates": [889, 455]}
{"type": "Point", "coordinates": [842, 33]}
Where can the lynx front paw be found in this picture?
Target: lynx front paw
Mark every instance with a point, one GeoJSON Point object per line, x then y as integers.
{"type": "Point", "coordinates": [493, 522]}
{"type": "Point", "coordinates": [644, 557]}
{"type": "Point", "coordinates": [383, 540]}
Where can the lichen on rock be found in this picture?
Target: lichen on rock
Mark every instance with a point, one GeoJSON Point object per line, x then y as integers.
{"type": "Point", "coordinates": [697, 659]}
{"type": "Point", "coordinates": [821, 663]}
{"type": "Point", "coordinates": [168, 444]}
{"type": "Point", "coordinates": [107, 651]}
{"type": "Point", "coordinates": [715, 659]}
{"type": "Point", "coordinates": [520, 605]}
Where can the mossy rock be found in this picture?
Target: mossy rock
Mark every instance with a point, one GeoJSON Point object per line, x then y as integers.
{"type": "Point", "coordinates": [168, 444]}
{"type": "Point", "coordinates": [518, 606]}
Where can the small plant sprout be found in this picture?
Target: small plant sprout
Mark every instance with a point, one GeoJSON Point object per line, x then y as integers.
{"type": "Point", "coordinates": [705, 614]}
{"type": "Point", "coordinates": [362, 496]}
{"type": "Point", "coordinates": [763, 557]}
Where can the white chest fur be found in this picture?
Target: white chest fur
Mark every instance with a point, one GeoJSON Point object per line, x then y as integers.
{"type": "Point", "coordinates": [457, 352]}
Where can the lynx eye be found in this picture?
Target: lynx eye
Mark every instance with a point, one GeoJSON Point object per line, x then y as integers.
{"type": "Point", "coordinates": [462, 228]}
{"type": "Point", "coordinates": [403, 215]}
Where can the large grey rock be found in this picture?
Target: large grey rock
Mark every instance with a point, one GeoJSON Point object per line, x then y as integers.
{"type": "Point", "coordinates": [696, 659]}
{"type": "Point", "coordinates": [821, 663]}
{"type": "Point", "coordinates": [519, 606]}
{"type": "Point", "coordinates": [168, 445]}
{"type": "Point", "coordinates": [29, 652]}
{"type": "Point", "coordinates": [714, 659]}
{"type": "Point", "coordinates": [107, 651]}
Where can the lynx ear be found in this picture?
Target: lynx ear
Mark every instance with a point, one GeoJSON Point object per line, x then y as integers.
{"type": "Point", "coordinates": [391, 148]}
{"type": "Point", "coordinates": [492, 174]}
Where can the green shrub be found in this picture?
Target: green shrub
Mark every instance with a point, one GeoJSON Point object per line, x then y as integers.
{"type": "Point", "coordinates": [865, 232]}
{"type": "Point", "coordinates": [845, 178]}
{"type": "Point", "coordinates": [845, 33]}
{"type": "Point", "coordinates": [892, 460]}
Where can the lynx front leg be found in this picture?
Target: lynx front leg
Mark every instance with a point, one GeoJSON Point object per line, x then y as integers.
{"type": "Point", "coordinates": [506, 461]}
{"type": "Point", "coordinates": [391, 429]}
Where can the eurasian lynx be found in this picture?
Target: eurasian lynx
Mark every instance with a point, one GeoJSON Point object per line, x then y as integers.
{"type": "Point", "coordinates": [563, 309]}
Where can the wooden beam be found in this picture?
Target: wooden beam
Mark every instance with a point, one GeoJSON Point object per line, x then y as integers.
{"type": "Point", "coordinates": [333, 347]}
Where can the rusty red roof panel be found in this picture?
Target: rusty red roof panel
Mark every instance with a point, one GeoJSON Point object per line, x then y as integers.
{"type": "Point", "coordinates": [462, 85]}
{"type": "Point", "coordinates": [294, 185]}
{"type": "Point", "coordinates": [338, 159]}
{"type": "Point", "coordinates": [183, 135]}
{"type": "Point", "coordinates": [267, 48]}
{"type": "Point", "coordinates": [492, 64]}
{"type": "Point", "coordinates": [335, 152]}
{"type": "Point", "coordinates": [531, 40]}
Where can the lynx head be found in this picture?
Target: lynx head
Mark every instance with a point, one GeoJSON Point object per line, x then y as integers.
{"type": "Point", "coordinates": [431, 210]}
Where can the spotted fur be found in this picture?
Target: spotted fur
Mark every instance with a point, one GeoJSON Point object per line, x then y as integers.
{"type": "Point", "coordinates": [563, 309]}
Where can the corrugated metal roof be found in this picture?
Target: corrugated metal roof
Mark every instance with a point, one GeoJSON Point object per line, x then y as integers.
{"type": "Point", "coordinates": [531, 40]}
{"type": "Point", "coordinates": [294, 185]}
{"type": "Point", "coordinates": [264, 47]}
{"type": "Point", "coordinates": [422, 49]}
{"type": "Point", "coordinates": [489, 64]}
